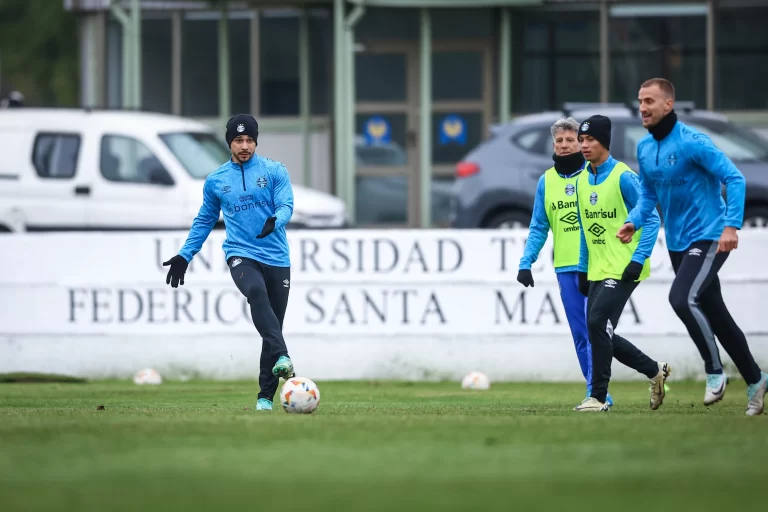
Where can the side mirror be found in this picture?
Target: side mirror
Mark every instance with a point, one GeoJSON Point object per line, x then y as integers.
{"type": "Point", "coordinates": [159, 176]}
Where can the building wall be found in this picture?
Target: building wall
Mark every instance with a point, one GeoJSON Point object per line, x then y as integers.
{"type": "Point", "coordinates": [556, 58]}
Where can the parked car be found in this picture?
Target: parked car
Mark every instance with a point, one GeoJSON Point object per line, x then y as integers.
{"type": "Point", "coordinates": [77, 169]}
{"type": "Point", "coordinates": [496, 182]}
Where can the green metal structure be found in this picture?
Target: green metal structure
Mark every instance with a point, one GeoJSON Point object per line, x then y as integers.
{"type": "Point", "coordinates": [346, 15]}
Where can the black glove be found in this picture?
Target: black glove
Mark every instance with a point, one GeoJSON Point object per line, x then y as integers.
{"type": "Point", "coordinates": [269, 226]}
{"type": "Point", "coordinates": [583, 284]}
{"type": "Point", "coordinates": [176, 272]}
{"type": "Point", "coordinates": [525, 278]}
{"type": "Point", "coordinates": [632, 272]}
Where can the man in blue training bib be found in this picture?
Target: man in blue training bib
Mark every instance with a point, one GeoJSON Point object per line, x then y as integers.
{"type": "Point", "coordinates": [681, 169]}
{"type": "Point", "coordinates": [256, 196]}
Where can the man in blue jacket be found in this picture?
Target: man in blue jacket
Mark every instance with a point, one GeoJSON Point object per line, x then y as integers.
{"type": "Point", "coordinates": [256, 196]}
{"type": "Point", "coordinates": [555, 208]}
{"type": "Point", "coordinates": [610, 271]}
{"type": "Point", "coordinates": [682, 169]}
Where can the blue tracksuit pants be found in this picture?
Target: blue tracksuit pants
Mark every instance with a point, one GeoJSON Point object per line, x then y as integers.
{"type": "Point", "coordinates": [576, 312]}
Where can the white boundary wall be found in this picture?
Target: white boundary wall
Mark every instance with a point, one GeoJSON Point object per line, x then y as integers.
{"type": "Point", "coordinates": [401, 304]}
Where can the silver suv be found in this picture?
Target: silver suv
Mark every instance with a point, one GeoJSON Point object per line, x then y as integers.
{"type": "Point", "coordinates": [496, 182]}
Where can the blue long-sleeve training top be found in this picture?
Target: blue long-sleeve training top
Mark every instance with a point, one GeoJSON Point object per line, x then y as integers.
{"type": "Point", "coordinates": [248, 194]}
{"type": "Point", "coordinates": [539, 229]}
{"type": "Point", "coordinates": [629, 183]}
{"type": "Point", "coordinates": [683, 173]}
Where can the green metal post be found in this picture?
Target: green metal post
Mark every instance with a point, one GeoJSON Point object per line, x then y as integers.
{"type": "Point", "coordinates": [136, 35]}
{"type": "Point", "coordinates": [505, 66]}
{"type": "Point", "coordinates": [349, 125]}
{"type": "Point", "coordinates": [225, 111]}
{"type": "Point", "coordinates": [354, 17]}
{"type": "Point", "coordinates": [605, 56]}
{"type": "Point", "coordinates": [425, 149]}
{"type": "Point", "coordinates": [305, 80]}
{"type": "Point", "coordinates": [128, 48]}
{"type": "Point", "coordinates": [339, 107]}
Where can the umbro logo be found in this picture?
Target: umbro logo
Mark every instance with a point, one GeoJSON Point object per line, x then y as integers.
{"type": "Point", "coordinates": [286, 283]}
{"type": "Point", "coordinates": [236, 262]}
{"type": "Point", "coordinates": [571, 218]}
{"type": "Point", "coordinates": [597, 230]}
{"type": "Point", "coordinates": [609, 283]}
{"type": "Point", "coordinates": [694, 252]}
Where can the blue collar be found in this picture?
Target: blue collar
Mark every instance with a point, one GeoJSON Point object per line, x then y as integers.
{"type": "Point", "coordinates": [247, 165]}
{"type": "Point", "coordinates": [606, 166]}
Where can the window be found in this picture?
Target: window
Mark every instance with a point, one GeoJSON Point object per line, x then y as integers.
{"type": "Point", "coordinates": [669, 46]}
{"type": "Point", "coordinates": [537, 140]}
{"type": "Point", "coordinates": [199, 153]}
{"type": "Point", "coordinates": [54, 155]}
{"type": "Point", "coordinates": [125, 159]}
{"type": "Point", "coordinates": [279, 62]}
{"type": "Point", "coordinates": [738, 144]}
{"type": "Point", "coordinates": [559, 62]}
{"type": "Point", "coordinates": [742, 58]}
{"type": "Point", "coordinates": [320, 52]}
{"type": "Point", "coordinates": [239, 63]}
{"type": "Point", "coordinates": [156, 64]}
{"type": "Point", "coordinates": [200, 63]}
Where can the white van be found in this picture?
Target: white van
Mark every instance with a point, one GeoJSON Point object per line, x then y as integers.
{"type": "Point", "coordinates": [77, 169]}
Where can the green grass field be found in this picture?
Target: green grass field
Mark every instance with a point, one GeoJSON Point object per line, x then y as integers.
{"type": "Point", "coordinates": [376, 446]}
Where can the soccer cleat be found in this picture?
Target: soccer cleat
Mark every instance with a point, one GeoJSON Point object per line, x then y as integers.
{"type": "Point", "coordinates": [592, 405]}
{"type": "Point", "coordinates": [263, 404]}
{"type": "Point", "coordinates": [608, 398]}
{"type": "Point", "coordinates": [283, 368]}
{"type": "Point", "coordinates": [715, 389]}
{"type": "Point", "coordinates": [756, 395]}
{"type": "Point", "coordinates": [657, 385]}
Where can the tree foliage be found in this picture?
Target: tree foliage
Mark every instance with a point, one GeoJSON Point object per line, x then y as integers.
{"type": "Point", "coordinates": [40, 54]}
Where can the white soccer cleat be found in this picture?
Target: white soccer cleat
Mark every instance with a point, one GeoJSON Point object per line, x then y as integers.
{"type": "Point", "coordinates": [590, 404]}
{"type": "Point", "coordinates": [657, 385]}
{"type": "Point", "coordinates": [715, 390]}
{"type": "Point", "coordinates": [756, 396]}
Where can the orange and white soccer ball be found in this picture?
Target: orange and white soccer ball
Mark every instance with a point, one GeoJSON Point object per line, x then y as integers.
{"type": "Point", "coordinates": [299, 395]}
{"type": "Point", "coordinates": [475, 380]}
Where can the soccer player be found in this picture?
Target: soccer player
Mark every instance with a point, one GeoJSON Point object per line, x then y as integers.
{"type": "Point", "coordinates": [256, 196]}
{"type": "Point", "coordinates": [555, 207]}
{"type": "Point", "coordinates": [682, 169]}
{"type": "Point", "coordinates": [609, 270]}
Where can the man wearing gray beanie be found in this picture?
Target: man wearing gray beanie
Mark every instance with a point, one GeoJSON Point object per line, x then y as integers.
{"type": "Point", "coordinates": [256, 197]}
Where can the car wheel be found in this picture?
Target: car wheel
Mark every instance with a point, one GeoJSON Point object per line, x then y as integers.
{"type": "Point", "coordinates": [756, 217]}
{"type": "Point", "coordinates": [512, 219]}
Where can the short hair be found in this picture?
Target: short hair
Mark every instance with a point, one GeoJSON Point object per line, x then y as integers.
{"type": "Point", "coordinates": [566, 123]}
{"type": "Point", "coordinates": [663, 84]}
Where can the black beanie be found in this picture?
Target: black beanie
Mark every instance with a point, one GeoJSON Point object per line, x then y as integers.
{"type": "Point", "coordinates": [241, 124]}
{"type": "Point", "coordinates": [598, 127]}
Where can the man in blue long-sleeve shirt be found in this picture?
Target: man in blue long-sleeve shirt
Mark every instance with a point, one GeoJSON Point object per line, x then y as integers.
{"type": "Point", "coordinates": [609, 271]}
{"type": "Point", "coordinates": [681, 169]}
{"type": "Point", "coordinates": [256, 196]}
{"type": "Point", "coordinates": [555, 208]}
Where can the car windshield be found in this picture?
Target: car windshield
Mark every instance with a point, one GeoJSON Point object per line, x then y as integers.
{"type": "Point", "coordinates": [200, 153]}
{"type": "Point", "coordinates": [738, 144]}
